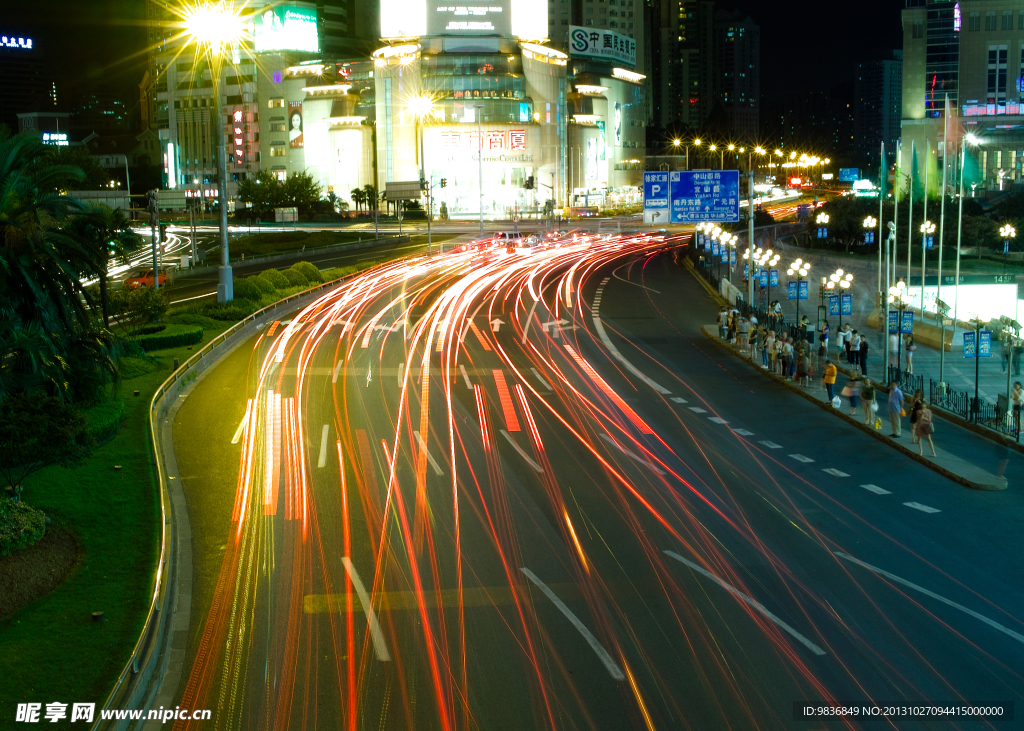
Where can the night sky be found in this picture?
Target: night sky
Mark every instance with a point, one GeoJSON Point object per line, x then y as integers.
{"type": "Point", "coordinates": [806, 44]}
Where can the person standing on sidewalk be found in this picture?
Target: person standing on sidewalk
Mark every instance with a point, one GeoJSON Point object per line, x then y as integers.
{"type": "Point", "coordinates": [830, 379]}
{"type": "Point", "coordinates": [1016, 402]}
{"type": "Point", "coordinates": [917, 403]}
{"type": "Point", "coordinates": [787, 359]}
{"type": "Point", "coordinates": [743, 331]}
{"type": "Point", "coordinates": [768, 351]}
{"type": "Point", "coordinates": [854, 347]}
{"type": "Point", "coordinates": [909, 347]}
{"type": "Point", "coordinates": [841, 344]}
{"type": "Point", "coordinates": [894, 343]}
{"type": "Point", "coordinates": [867, 402]}
{"type": "Point", "coordinates": [723, 322]}
{"type": "Point", "coordinates": [862, 357]}
{"type": "Point", "coordinates": [852, 391]}
{"type": "Point", "coordinates": [924, 428]}
{"type": "Point", "coordinates": [895, 409]}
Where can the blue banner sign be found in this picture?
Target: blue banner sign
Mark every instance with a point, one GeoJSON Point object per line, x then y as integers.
{"type": "Point", "coordinates": [969, 350]}
{"type": "Point", "coordinates": [656, 191]}
{"type": "Point", "coordinates": [931, 242]}
{"type": "Point", "coordinates": [894, 321]}
{"type": "Point", "coordinates": [764, 279]}
{"type": "Point", "coordinates": [833, 306]}
{"type": "Point", "coordinates": [791, 291]}
{"type": "Point", "coordinates": [849, 175]}
{"type": "Point", "coordinates": [1006, 248]}
{"type": "Point", "coordinates": [746, 271]}
{"type": "Point", "coordinates": [701, 195]}
{"type": "Point", "coordinates": [985, 344]}
{"type": "Point", "coordinates": [714, 248]}
{"type": "Point", "coordinates": [774, 280]}
{"type": "Point", "coordinates": [908, 323]}
{"type": "Point", "coordinates": [732, 256]}
{"type": "Point", "coordinates": [725, 254]}
{"type": "Point", "coordinates": [847, 304]}
{"type": "Point", "coordinates": [803, 289]}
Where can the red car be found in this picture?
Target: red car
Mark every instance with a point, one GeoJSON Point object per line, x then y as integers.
{"type": "Point", "coordinates": [144, 278]}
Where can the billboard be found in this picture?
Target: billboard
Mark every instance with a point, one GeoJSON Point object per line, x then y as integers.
{"type": "Point", "coordinates": [526, 19]}
{"type": "Point", "coordinates": [285, 28]}
{"type": "Point", "coordinates": [604, 44]}
{"type": "Point", "coordinates": [849, 175]}
{"type": "Point", "coordinates": [295, 124]}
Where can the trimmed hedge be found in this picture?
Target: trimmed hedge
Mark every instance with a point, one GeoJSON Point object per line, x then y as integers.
{"type": "Point", "coordinates": [246, 290]}
{"type": "Point", "coordinates": [104, 421]}
{"type": "Point", "coordinates": [309, 271]}
{"type": "Point", "coordinates": [279, 280]}
{"type": "Point", "coordinates": [296, 278]}
{"type": "Point", "coordinates": [189, 318]}
{"type": "Point", "coordinates": [264, 285]}
{"type": "Point", "coordinates": [175, 336]}
{"type": "Point", "coordinates": [20, 526]}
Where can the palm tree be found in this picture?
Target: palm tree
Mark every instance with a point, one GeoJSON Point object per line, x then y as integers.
{"type": "Point", "coordinates": [370, 194]}
{"type": "Point", "coordinates": [106, 234]}
{"type": "Point", "coordinates": [357, 197]}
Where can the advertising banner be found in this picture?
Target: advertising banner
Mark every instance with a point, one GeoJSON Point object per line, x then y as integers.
{"type": "Point", "coordinates": [285, 28]}
{"type": "Point", "coordinates": [791, 291]}
{"type": "Point", "coordinates": [764, 279]}
{"type": "Point", "coordinates": [295, 124]}
{"type": "Point", "coordinates": [847, 300]}
{"type": "Point", "coordinates": [893, 321]}
{"type": "Point", "coordinates": [970, 351]}
{"type": "Point", "coordinates": [775, 277]}
{"type": "Point", "coordinates": [603, 44]}
{"type": "Point", "coordinates": [908, 322]}
{"type": "Point", "coordinates": [803, 290]}
{"type": "Point", "coordinates": [833, 306]}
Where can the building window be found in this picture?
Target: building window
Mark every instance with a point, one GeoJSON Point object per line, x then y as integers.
{"type": "Point", "coordinates": [277, 127]}
{"type": "Point", "coordinates": [590, 22]}
{"type": "Point", "coordinates": [565, 22]}
{"type": "Point", "coordinates": [278, 103]}
{"type": "Point", "coordinates": [997, 73]}
{"type": "Point", "coordinates": [990, 21]}
{"type": "Point", "coordinates": [1020, 21]}
{"type": "Point", "coordinates": [1007, 20]}
{"type": "Point", "coordinates": [917, 29]}
{"type": "Point", "coordinates": [975, 21]}
{"type": "Point", "coordinates": [277, 152]}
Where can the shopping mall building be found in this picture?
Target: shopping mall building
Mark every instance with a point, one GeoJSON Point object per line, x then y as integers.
{"type": "Point", "coordinates": [461, 97]}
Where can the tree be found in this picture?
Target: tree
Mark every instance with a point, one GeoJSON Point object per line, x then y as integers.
{"type": "Point", "coordinates": [358, 196]}
{"type": "Point", "coordinates": [36, 431]}
{"type": "Point", "coordinates": [107, 234]}
{"type": "Point", "coordinates": [135, 308]}
{"type": "Point", "coordinates": [93, 175]}
{"type": "Point", "coordinates": [370, 196]}
{"type": "Point", "coordinates": [263, 192]}
{"type": "Point", "coordinates": [302, 192]}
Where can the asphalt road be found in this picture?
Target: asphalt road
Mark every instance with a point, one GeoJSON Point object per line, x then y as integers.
{"type": "Point", "coordinates": [574, 512]}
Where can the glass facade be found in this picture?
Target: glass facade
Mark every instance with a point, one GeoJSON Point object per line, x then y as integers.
{"type": "Point", "coordinates": [943, 56]}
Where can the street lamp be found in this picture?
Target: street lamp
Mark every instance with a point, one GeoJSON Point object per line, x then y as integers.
{"type": "Point", "coordinates": [420, 107]}
{"type": "Point", "coordinates": [480, 161]}
{"type": "Point", "coordinates": [822, 221]}
{"type": "Point", "coordinates": [927, 229]}
{"type": "Point", "coordinates": [899, 297]}
{"type": "Point", "coordinates": [977, 323]}
{"type": "Point", "coordinates": [798, 269]}
{"type": "Point", "coordinates": [213, 27]}
{"type": "Point", "coordinates": [1007, 232]}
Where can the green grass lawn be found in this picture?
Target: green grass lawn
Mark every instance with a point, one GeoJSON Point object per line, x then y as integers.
{"type": "Point", "coordinates": [51, 650]}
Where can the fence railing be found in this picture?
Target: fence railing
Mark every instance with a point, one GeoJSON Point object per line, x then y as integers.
{"type": "Point", "coordinates": [908, 382]}
{"type": "Point", "coordinates": [997, 417]}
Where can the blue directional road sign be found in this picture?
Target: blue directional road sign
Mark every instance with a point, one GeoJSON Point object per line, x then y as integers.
{"type": "Point", "coordinates": [847, 304]}
{"type": "Point", "coordinates": [702, 195]}
{"type": "Point", "coordinates": [656, 191]}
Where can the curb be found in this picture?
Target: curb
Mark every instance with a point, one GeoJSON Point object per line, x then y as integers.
{"type": "Point", "coordinates": [856, 422]}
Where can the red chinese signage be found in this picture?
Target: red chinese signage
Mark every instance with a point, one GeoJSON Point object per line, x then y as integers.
{"type": "Point", "coordinates": [513, 139]}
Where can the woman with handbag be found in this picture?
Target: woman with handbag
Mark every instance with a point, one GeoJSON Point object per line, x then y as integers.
{"type": "Point", "coordinates": [924, 428]}
{"type": "Point", "coordinates": [852, 391]}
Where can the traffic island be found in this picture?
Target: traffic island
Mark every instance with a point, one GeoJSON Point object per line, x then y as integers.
{"type": "Point", "coordinates": [945, 463]}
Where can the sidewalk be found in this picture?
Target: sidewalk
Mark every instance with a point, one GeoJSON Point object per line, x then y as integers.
{"type": "Point", "coordinates": [945, 463]}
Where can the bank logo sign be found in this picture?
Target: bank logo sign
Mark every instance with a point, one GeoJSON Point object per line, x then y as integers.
{"type": "Point", "coordinates": [603, 44]}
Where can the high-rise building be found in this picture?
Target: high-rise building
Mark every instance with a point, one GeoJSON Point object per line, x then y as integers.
{"type": "Point", "coordinates": [737, 69]}
{"type": "Point", "coordinates": [24, 85]}
{"type": "Point", "coordinates": [878, 99]}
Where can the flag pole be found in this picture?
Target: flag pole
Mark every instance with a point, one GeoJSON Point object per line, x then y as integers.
{"type": "Point", "coordinates": [942, 209]}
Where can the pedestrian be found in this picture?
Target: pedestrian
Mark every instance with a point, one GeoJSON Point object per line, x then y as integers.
{"type": "Point", "coordinates": [852, 391]}
{"type": "Point", "coordinates": [730, 330]}
{"type": "Point", "coordinates": [1017, 401]}
{"type": "Point", "coordinates": [848, 343]}
{"type": "Point", "coordinates": [909, 347]}
{"type": "Point", "coordinates": [855, 348]}
{"type": "Point", "coordinates": [894, 344]}
{"type": "Point", "coordinates": [924, 428]}
{"type": "Point", "coordinates": [802, 367]}
{"type": "Point", "coordinates": [752, 341]}
{"type": "Point", "coordinates": [867, 402]}
{"type": "Point", "coordinates": [723, 322]}
{"type": "Point", "coordinates": [743, 333]}
{"type": "Point", "coordinates": [895, 409]}
{"type": "Point", "coordinates": [917, 404]}
{"type": "Point", "coordinates": [830, 379]}
{"type": "Point", "coordinates": [823, 341]}
{"type": "Point", "coordinates": [787, 359]}
{"type": "Point", "coordinates": [841, 341]}
{"type": "Point", "coordinates": [779, 318]}
{"type": "Point", "coordinates": [862, 358]}
{"type": "Point", "coordinates": [768, 351]}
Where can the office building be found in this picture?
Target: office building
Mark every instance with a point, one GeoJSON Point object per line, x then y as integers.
{"type": "Point", "coordinates": [878, 99]}
{"type": "Point", "coordinates": [737, 83]}
{"type": "Point", "coordinates": [24, 83]}
{"type": "Point", "coordinates": [682, 63]}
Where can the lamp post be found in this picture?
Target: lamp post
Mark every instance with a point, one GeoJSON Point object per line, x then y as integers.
{"type": "Point", "coordinates": [839, 281]}
{"type": "Point", "coordinates": [869, 224]}
{"type": "Point", "coordinates": [799, 269]}
{"type": "Point", "coordinates": [1011, 330]}
{"type": "Point", "coordinates": [213, 27]}
{"type": "Point", "coordinates": [822, 221]}
{"type": "Point", "coordinates": [898, 297]}
{"type": "Point", "coordinates": [927, 229]}
{"type": "Point", "coordinates": [977, 322]}
{"type": "Point", "coordinates": [968, 138]}
{"type": "Point", "coordinates": [750, 216]}
{"type": "Point", "coordinates": [1007, 232]}
{"type": "Point", "coordinates": [941, 310]}
{"type": "Point", "coordinates": [421, 107]}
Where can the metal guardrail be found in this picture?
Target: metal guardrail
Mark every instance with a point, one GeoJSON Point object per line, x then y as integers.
{"type": "Point", "coordinates": [997, 417]}
{"type": "Point", "coordinates": [135, 684]}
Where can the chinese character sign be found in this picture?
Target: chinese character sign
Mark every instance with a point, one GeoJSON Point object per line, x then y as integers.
{"type": "Point", "coordinates": [604, 44]}
{"type": "Point", "coordinates": [705, 195]}
{"type": "Point", "coordinates": [493, 141]}
{"type": "Point", "coordinates": [893, 321]}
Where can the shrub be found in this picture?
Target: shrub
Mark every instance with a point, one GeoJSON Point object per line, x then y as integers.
{"type": "Point", "coordinates": [189, 318]}
{"type": "Point", "coordinates": [309, 270]}
{"type": "Point", "coordinates": [296, 278]}
{"type": "Point", "coordinates": [229, 311]}
{"type": "Point", "coordinates": [103, 422]}
{"type": "Point", "coordinates": [263, 285]}
{"type": "Point", "coordinates": [247, 290]}
{"type": "Point", "coordinates": [279, 280]}
{"type": "Point", "coordinates": [20, 526]}
{"type": "Point", "coordinates": [175, 336]}
{"type": "Point", "coordinates": [152, 329]}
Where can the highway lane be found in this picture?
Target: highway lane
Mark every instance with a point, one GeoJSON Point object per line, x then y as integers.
{"type": "Point", "coordinates": [539, 516]}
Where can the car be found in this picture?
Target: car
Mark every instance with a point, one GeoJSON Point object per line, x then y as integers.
{"type": "Point", "coordinates": [508, 238]}
{"type": "Point", "coordinates": [144, 278]}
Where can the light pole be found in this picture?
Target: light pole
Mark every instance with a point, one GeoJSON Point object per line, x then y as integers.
{"type": "Point", "coordinates": [715, 233]}
{"type": "Point", "coordinates": [750, 216]}
{"type": "Point", "coordinates": [1007, 232]}
{"type": "Point", "coordinates": [713, 148]}
{"type": "Point", "coordinates": [1009, 326]}
{"type": "Point", "coordinates": [822, 221]}
{"type": "Point", "coordinates": [696, 143]}
{"type": "Point", "coordinates": [968, 138]}
{"type": "Point", "coordinates": [480, 161]}
{"type": "Point", "coordinates": [421, 107]}
{"type": "Point", "coordinates": [977, 322]}
{"type": "Point", "coordinates": [898, 297]}
{"type": "Point", "coordinates": [927, 229]}
{"type": "Point", "coordinates": [842, 281]}
{"type": "Point", "coordinates": [213, 27]}
{"type": "Point", "coordinates": [799, 269]}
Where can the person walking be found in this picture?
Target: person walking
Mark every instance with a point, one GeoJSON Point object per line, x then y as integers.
{"type": "Point", "coordinates": [830, 379]}
{"type": "Point", "coordinates": [867, 402]}
{"type": "Point", "coordinates": [854, 347]}
{"type": "Point", "coordinates": [924, 428]}
{"type": "Point", "coordinates": [862, 357]}
{"type": "Point", "coordinates": [895, 409]}
{"type": "Point", "coordinates": [802, 367]}
{"type": "Point", "coordinates": [894, 343]}
{"type": "Point", "coordinates": [1016, 403]}
{"type": "Point", "coordinates": [908, 348]}
{"type": "Point", "coordinates": [852, 391]}
{"type": "Point", "coordinates": [787, 359]}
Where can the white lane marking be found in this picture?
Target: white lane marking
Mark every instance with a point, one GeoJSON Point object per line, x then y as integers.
{"type": "Point", "coordinates": [771, 445]}
{"type": "Point", "coordinates": [892, 577]}
{"type": "Point", "coordinates": [752, 603]}
{"type": "Point", "coordinates": [679, 400]}
{"type": "Point", "coordinates": [835, 472]}
{"type": "Point", "coordinates": [401, 373]}
{"type": "Point", "coordinates": [801, 458]}
{"type": "Point", "coordinates": [606, 280]}
{"type": "Point", "coordinates": [337, 368]}
{"type": "Point", "coordinates": [876, 489]}
{"type": "Point", "coordinates": [602, 654]}
{"type": "Point", "coordinates": [698, 410]}
{"type": "Point", "coordinates": [465, 377]}
{"type": "Point", "coordinates": [529, 319]}
{"type": "Point", "coordinates": [615, 274]}
{"type": "Point", "coordinates": [541, 379]}
{"type": "Point", "coordinates": [743, 432]}
{"type": "Point", "coordinates": [322, 461]}
{"type": "Point", "coordinates": [522, 454]}
{"type": "Point", "coordinates": [242, 424]}
{"type": "Point", "coordinates": [626, 452]}
{"type": "Point", "coordinates": [430, 457]}
{"type": "Point", "coordinates": [622, 359]}
{"type": "Point", "coordinates": [379, 645]}
{"type": "Point", "coordinates": [717, 420]}
{"type": "Point", "coordinates": [922, 508]}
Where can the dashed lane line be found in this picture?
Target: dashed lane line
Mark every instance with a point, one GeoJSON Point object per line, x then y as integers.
{"type": "Point", "coordinates": [743, 432]}
{"type": "Point", "coordinates": [379, 646]}
{"type": "Point", "coordinates": [337, 368]}
{"type": "Point", "coordinates": [522, 454]}
{"type": "Point", "coordinates": [717, 420]}
{"type": "Point", "coordinates": [679, 400]}
{"type": "Point", "coordinates": [876, 489]}
{"type": "Point", "coordinates": [698, 410]}
{"type": "Point", "coordinates": [465, 377]}
{"type": "Point", "coordinates": [631, 455]}
{"type": "Point", "coordinates": [430, 458]}
{"type": "Point", "coordinates": [837, 473]}
{"type": "Point", "coordinates": [322, 461]}
{"type": "Point", "coordinates": [801, 458]}
{"type": "Point", "coordinates": [770, 444]}
{"type": "Point", "coordinates": [922, 508]}
{"type": "Point", "coordinates": [541, 379]}
{"type": "Point", "coordinates": [750, 602]}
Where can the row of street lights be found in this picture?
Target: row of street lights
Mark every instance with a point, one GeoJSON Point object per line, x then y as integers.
{"type": "Point", "coordinates": [803, 160]}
